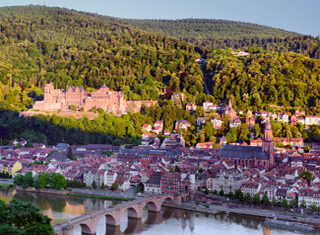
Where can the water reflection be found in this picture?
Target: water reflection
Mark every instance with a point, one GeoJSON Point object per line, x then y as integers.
{"type": "Point", "coordinates": [168, 222]}
{"type": "Point", "coordinates": [58, 207]}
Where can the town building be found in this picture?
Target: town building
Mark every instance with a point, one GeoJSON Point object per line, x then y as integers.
{"type": "Point", "coordinates": [250, 187]}
{"type": "Point", "coordinates": [170, 182]}
{"type": "Point", "coordinates": [191, 107]}
{"type": "Point", "coordinates": [182, 125]}
{"type": "Point", "coordinates": [226, 182]}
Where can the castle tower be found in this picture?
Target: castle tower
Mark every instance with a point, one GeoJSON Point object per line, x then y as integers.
{"type": "Point", "coordinates": [267, 144]}
{"type": "Point", "coordinates": [49, 93]}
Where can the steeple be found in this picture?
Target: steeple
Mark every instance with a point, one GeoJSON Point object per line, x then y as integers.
{"type": "Point", "coordinates": [268, 136]}
{"type": "Point", "coordinates": [267, 144]}
{"type": "Point", "coordinates": [230, 104]}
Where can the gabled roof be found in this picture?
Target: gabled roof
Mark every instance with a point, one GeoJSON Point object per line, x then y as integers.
{"type": "Point", "coordinates": [247, 152]}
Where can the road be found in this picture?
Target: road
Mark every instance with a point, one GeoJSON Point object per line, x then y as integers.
{"type": "Point", "coordinates": [6, 181]}
{"type": "Point", "coordinates": [126, 194]}
{"type": "Point", "coordinates": [282, 215]}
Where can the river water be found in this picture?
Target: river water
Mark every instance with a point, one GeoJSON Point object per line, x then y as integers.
{"type": "Point", "coordinates": [168, 222]}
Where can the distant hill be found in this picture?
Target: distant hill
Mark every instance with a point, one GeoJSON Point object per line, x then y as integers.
{"type": "Point", "coordinates": [40, 45]}
{"type": "Point", "coordinates": [208, 28]}
{"type": "Point", "coordinates": [231, 34]}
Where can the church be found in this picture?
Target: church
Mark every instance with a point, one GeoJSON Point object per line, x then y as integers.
{"type": "Point", "coordinates": [252, 156]}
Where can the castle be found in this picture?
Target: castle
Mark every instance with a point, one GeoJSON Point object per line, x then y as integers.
{"type": "Point", "coordinates": [110, 101]}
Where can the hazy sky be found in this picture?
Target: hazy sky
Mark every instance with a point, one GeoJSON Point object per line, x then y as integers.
{"type": "Point", "coordinates": [301, 16]}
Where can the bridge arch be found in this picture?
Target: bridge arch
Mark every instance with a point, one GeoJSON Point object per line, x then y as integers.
{"type": "Point", "coordinates": [85, 229]}
{"type": "Point", "coordinates": [111, 220]}
{"type": "Point", "coordinates": [133, 213]}
{"type": "Point", "coordinates": [152, 206]}
{"type": "Point", "coordinates": [168, 200]}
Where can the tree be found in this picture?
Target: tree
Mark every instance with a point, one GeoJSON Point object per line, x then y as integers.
{"type": "Point", "coordinates": [232, 135]}
{"type": "Point", "coordinates": [176, 168]}
{"type": "Point", "coordinates": [28, 145]}
{"type": "Point", "coordinates": [19, 146]}
{"type": "Point", "coordinates": [221, 192]}
{"type": "Point", "coordinates": [256, 198]}
{"type": "Point", "coordinates": [23, 218]}
{"type": "Point", "coordinates": [266, 200]}
{"type": "Point", "coordinates": [43, 179]}
{"type": "Point", "coordinates": [239, 195]}
{"type": "Point", "coordinates": [57, 181]}
{"type": "Point", "coordinates": [69, 153]}
{"type": "Point", "coordinates": [256, 130]}
{"type": "Point", "coordinates": [114, 186]}
{"type": "Point", "coordinates": [102, 186]}
{"type": "Point", "coordinates": [293, 203]}
{"type": "Point", "coordinates": [200, 170]}
{"type": "Point", "coordinates": [248, 198]}
{"type": "Point", "coordinates": [284, 203]}
{"type": "Point", "coordinates": [94, 184]}
{"type": "Point", "coordinates": [307, 148]}
{"type": "Point", "coordinates": [18, 179]}
{"type": "Point", "coordinates": [27, 180]}
{"type": "Point", "coordinates": [303, 204]}
{"type": "Point", "coordinates": [307, 175]}
{"type": "Point", "coordinates": [313, 207]}
{"type": "Point", "coordinates": [73, 107]}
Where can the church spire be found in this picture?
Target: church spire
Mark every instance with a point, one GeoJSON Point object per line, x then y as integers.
{"type": "Point", "coordinates": [268, 136]}
{"type": "Point", "coordinates": [267, 144]}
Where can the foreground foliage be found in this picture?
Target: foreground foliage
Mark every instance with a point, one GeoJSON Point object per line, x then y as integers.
{"type": "Point", "coordinates": [23, 218]}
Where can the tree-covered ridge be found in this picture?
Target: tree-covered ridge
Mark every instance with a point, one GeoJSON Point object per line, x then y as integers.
{"type": "Point", "coordinates": [208, 28]}
{"type": "Point", "coordinates": [265, 78]}
{"type": "Point", "coordinates": [230, 34]}
{"type": "Point", "coordinates": [40, 45]}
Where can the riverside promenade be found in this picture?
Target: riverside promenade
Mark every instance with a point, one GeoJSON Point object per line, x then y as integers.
{"type": "Point", "coordinates": [249, 211]}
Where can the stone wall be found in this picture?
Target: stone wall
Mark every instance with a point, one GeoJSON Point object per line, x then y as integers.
{"type": "Point", "coordinates": [110, 101]}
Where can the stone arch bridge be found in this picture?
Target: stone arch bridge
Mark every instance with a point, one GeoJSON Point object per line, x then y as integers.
{"type": "Point", "coordinates": [113, 214]}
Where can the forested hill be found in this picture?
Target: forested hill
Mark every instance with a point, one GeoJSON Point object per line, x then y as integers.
{"type": "Point", "coordinates": [40, 45]}
{"type": "Point", "coordinates": [208, 28]}
{"type": "Point", "coordinates": [230, 34]}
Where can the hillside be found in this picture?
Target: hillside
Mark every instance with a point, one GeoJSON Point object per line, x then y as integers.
{"type": "Point", "coordinates": [40, 45]}
{"type": "Point", "coordinates": [208, 28]}
{"type": "Point", "coordinates": [230, 34]}
{"type": "Point", "coordinates": [264, 78]}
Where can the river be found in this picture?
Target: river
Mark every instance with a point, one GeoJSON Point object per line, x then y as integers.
{"type": "Point", "coordinates": [168, 222]}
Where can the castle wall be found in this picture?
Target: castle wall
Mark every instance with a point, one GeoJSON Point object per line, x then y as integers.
{"type": "Point", "coordinates": [110, 101]}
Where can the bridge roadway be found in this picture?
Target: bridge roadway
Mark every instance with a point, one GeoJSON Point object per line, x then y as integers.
{"type": "Point", "coordinates": [89, 221]}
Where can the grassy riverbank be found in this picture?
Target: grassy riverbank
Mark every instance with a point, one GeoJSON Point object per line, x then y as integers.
{"type": "Point", "coordinates": [99, 197]}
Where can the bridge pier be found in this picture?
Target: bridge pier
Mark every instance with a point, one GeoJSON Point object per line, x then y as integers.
{"type": "Point", "coordinates": [66, 231]}
{"type": "Point", "coordinates": [113, 230]}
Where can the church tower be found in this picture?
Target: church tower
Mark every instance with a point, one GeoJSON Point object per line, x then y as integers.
{"type": "Point", "coordinates": [267, 144]}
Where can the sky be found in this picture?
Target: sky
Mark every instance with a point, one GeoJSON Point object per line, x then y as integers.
{"type": "Point", "coordinates": [302, 16]}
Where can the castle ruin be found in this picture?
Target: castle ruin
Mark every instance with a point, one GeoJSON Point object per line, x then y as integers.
{"type": "Point", "coordinates": [110, 101]}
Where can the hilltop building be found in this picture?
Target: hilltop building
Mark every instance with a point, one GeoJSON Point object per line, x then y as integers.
{"type": "Point", "coordinates": [110, 101]}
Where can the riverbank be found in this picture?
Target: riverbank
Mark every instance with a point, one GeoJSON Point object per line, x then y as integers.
{"type": "Point", "coordinates": [249, 212]}
{"type": "Point", "coordinates": [99, 197]}
{"type": "Point", "coordinates": [74, 193]}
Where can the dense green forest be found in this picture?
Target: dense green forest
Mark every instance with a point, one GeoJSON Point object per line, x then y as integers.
{"type": "Point", "coordinates": [40, 45]}
{"type": "Point", "coordinates": [265, 78]}
{"type": "Point", "coordinates": [230, 34]}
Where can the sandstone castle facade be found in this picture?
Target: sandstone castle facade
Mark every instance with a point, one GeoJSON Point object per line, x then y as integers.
{"type": "Point", "coordinates": [110, 101]}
